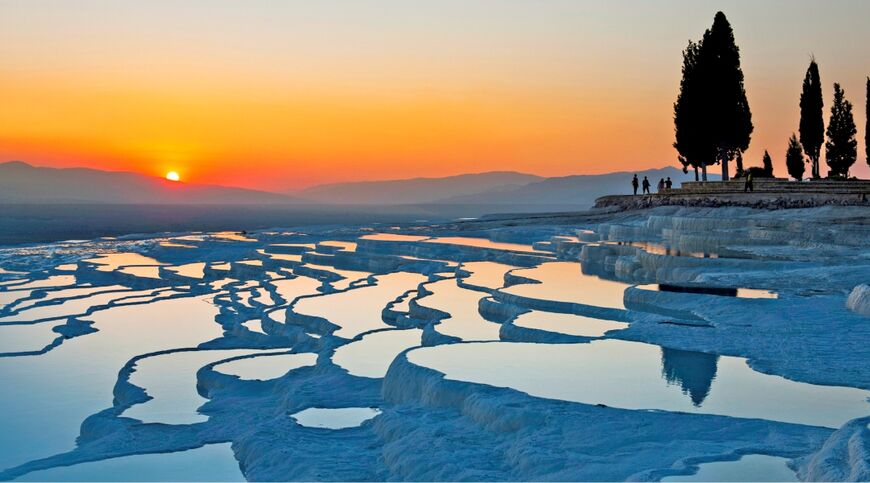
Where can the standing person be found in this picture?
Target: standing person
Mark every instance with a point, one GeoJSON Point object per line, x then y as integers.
{"type": "Point", "coordinates": [645, 186]}
{"type": "Point", "coordinates": [668, 183]}
{"type": "Point", "coordinates": [748, 185]}
{"type": "Point", "coordinates": [661, 185]}
{"type": "Point", "coordinates": [634, 183]}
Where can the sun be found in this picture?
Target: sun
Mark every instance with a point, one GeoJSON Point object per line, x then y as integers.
{"type": "Point", "coordinates": [173, 176]}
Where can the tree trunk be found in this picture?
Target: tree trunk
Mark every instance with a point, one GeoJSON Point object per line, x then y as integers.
{"type": "Point", "coordinates": [696, 173]}
{"type": "Point", "coordinates": [724, 162]}
{"type": "Point", "coordinates": [703, 172]}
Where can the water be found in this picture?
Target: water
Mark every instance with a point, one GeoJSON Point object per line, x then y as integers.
{"type": "Point", "coordinates": [190, 270]}
{"type": "Point", "coordinates": [752, 467]}
{"type": "Point", "coordinates": [746, 293]}
{"type": "Point", "coordinates": [465, 321]}
{"type": "Point", "coordinates": [266, 366]}
{"type": "Point", "coordinates": [290, 289]}
{"type": "Point", "coordinates": [634, 375]}
{"type": "Point", "coordinates": [55, 392]}
{"type": "Point", "coordinates": [74, 306]}
{"type": "Point", "coordinates": [486, 274]}
{"type": "Point", "coordinates": [112, 261]}
{"type": "Point", "coordinates": [144, 272]}
{"type": "Point", "coordinates": [170, 379]}
{"type": "Point", "coordinates": [394, 237]}
{"type": "Point", "coordinates": [484, 243]}
{"type": "Point", "coordinates": [213, 462]}
{"type": "Point", "coordinates": [564, 282]}
{"type": "Point", "coordinates": [254, 325]}
{"type": "Point", "coordinates": [359, 310]}
{"type": "Point", "coordinates": [568, 324]}
{"type": "Point", "coordinates": [335, 418]}
{"type": "Point", "coordinates": [67, 293]}
{"type": "Point", "coordinates": [24, 338]}
{"type": "Point", "coordinates": [372, 355]}
{"type": "Point", "coordinates": [345, 246]}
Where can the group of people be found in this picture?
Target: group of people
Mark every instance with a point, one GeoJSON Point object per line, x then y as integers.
{"type": "Point", "coordinates": [663, 184]}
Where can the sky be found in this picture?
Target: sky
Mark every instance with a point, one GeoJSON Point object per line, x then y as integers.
{"type": "Point", "coordinates": [281, 95]}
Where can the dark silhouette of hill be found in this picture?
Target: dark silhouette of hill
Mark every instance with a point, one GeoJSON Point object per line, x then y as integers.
{"type": "Point", "coordinates": [580, 190]}
{"type": "Point", "coordinates": [415, 190]}
{"type": "Point", "coordinates": [23, 183]}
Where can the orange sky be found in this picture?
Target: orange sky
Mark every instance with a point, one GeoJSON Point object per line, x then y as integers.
{"type": "Point", "coordinates": [286, 95]}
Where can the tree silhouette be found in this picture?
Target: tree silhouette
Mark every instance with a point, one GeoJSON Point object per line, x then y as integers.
{"type": "Point", "coordinates": [841, 149]}
{"type": "Point", "coordinates": [712, 119]}
{"type": "Point", "coordinates": [794, 159]}
{"type": "Point", "coordinates": [867, 126]}
{"type": "Point", "coordinates": [729, 120]}
{"type": "Point", "coordinates": [767, 164]}
{"type": "Point", "coordinates": [689, 117]}
{"type": "Point", "coordinates": [812, 126]}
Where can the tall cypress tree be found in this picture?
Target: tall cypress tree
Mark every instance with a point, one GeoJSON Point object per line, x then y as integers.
{"type": "Point", "coordinates": [690, 138]}
{"type": "Point", "coordinates": [729, 118]}
{"type": "Point", "coordinates": [867, 126]}
{"type": "Point", "coordinates": [794, 158]}
{"type": "Point", "coordinates": [767, 164]}
{"type": "Point", "coordinates": [712, 119]}
{"type": "Point", "coordinates": [841, 149]}
{"type": "Point", "coordinates": [812, 126]}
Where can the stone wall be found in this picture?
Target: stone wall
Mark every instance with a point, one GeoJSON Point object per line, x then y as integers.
{"type": "Point", "coordinates": [767, 194]}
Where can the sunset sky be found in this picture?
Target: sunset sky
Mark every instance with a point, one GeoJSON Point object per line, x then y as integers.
{"type": "Point", "coordinates": [285, 94]}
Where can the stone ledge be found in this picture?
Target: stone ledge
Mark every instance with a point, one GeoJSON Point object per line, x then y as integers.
{"type": "Point", "coordinates": [770, 200]}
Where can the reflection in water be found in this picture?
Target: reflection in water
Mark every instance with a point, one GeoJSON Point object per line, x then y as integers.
{"type": "Point", "coordinates": [628, 375]}
{"type": "Point", "coordinates": [693, 371]}
{"type": "Point", "coordinates": [745, 293]}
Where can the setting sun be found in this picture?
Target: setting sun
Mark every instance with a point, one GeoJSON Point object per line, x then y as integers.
{"type": "Point", "coordinates": [173, 176]}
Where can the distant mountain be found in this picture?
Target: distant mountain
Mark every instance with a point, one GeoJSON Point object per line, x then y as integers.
{"type": "Point", "coordinates": [416, 190]}
{"type": "Point", "coordinates": [579, 190]}
{"type": "Point", "coordinates": [23, 183]}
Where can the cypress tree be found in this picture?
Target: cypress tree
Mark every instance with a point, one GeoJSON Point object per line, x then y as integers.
{"type": "Point", "coordinates": [794, 158]}
{"type": "Point", "coordinates": [729, 119]}
{"type": "Point", "coordinates": [767, 164]}
{"type": "Point", "coordinates": [812, 125]}
{"type": "Point", "coordinates": [690, 140]}
{"type": "Point", "coordinates": [841, 149]}
{"type": "Point", "coordinates": [867, 126]}
{"type": "Point", "coordinates": [712, 119]}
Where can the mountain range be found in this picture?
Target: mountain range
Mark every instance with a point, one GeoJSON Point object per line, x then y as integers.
{"type": "Point", "coordinates": [24, 183]}
{"type": "Point", "coordinates": [495, 188]}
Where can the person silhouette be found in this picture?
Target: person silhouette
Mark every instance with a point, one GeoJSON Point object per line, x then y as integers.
{"type": "Point", "coordinates": [668, 183]}
{"type": "Point", "coordinates": [634, 183]}
{"type": "Point", "coordinates": [645, 186]}
{"type": "Point", "coordinates": [661, 185]}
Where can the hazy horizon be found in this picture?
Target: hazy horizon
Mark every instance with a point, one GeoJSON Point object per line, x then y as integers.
{"type": "Point", "coordinates": [275, 96]}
